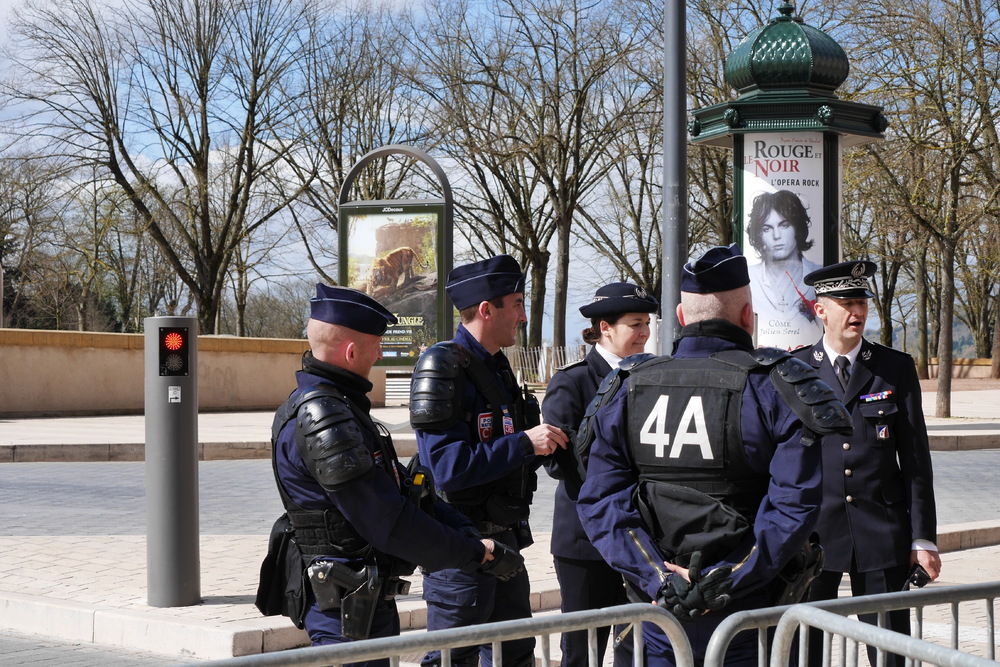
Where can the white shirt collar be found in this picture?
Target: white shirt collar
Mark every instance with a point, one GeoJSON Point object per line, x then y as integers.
{"type": "Point", "coordinates": [612, 359]}
{"type": "Point", "coordinates": [852, 356]}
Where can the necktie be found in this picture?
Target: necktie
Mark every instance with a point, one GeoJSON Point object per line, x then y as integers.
{"type": "Point", "coordinates": [843, 371]}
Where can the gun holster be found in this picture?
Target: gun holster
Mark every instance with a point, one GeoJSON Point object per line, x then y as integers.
{"type": "Point", "coordinates": [798, 574]}
{"type": "Point", "coordinates": [355, 592]}
{"type": "Point", "coordinates": [330, 581]}
{"type": "Point", "coordinates": [357, 609]}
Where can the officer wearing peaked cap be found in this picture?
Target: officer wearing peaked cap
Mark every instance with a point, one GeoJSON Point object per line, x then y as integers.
{"type": "Point", "coordinates": [619, 327]}
{"type": "Point", "coordinates": [706, 460]}
{"type": "Point", "coordinates": [878, 517]}
{"type": "Point", "coordinates": [480, 435]}
{"type": "Point", "coordinates": [352, 522]}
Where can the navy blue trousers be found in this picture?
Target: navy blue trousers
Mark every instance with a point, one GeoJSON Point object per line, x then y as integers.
{"type": "Point", "coordinates": [590, 584]}
{"type": "Point", "coordinates": [458, 599]}
{"type": "Point", "coordinates": [891, 580]}
{"type": "Point", "coordinates": [742, 650]}
{"type": "Point", "coordinates": [324, 628]}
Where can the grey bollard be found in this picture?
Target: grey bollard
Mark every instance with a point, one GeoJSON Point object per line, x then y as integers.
{"type": "Point", "coordinates": [173, 563]}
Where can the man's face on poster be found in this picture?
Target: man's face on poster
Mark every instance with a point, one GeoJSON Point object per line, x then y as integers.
{"type": "Point", "coordinates": [778, 237]}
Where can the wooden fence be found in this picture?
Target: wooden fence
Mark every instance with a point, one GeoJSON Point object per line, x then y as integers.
{"type": "Point", "coordinates": [535, 365]}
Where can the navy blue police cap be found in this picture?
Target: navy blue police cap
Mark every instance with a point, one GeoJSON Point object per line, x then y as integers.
{"type": "Point", "coordinates": [350, 308]}
{"type": "Point", "coordinates": [720, 269]}
{"type": "Point", "coordinates": [618, 298]}
{"type": "Point", "coordinates": [846, 280]}
{"type": "Point", "coordinates": [470, 284]}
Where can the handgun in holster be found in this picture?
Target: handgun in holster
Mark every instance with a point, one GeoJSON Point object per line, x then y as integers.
{"type": "Point", "coordinates": [355, 592]}
{"type": "Point", "coordinates": [798, 574]}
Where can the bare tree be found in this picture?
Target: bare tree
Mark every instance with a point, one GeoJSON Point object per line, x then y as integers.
{"type": "Point", "coordinates": [624, 228]}
{"type": "Point", "coordinates": [521, 92]}
{"type": "Point", "coordinates": [924, 61]}
{"type": "Point", "coordinates": [714, 30]}
{"type": "Point", "coordinates": [978, 281]}
{"type": "Point", "coordinates": [279, 309]}
{"type": "Point", "coordinates": [178, 102]}
{"type": "Point", "coordinates": [874, 227]}
{"type": "Point", "coordinates": [357, 97]}
{"type": "Point", "coordinates": [28, 205]}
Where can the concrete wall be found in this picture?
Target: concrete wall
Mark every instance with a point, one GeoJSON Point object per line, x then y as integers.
{"type": "Point", "coordinates": [963, 368]}
{"type": "Point", "coordinates": [47, 373]}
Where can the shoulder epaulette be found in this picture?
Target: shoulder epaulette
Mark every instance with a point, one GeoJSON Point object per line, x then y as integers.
{"type": "Point", "coordinates": [573, 364]}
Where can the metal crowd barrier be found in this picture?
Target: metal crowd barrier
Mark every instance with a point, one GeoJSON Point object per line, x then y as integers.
{"type": "Point", "coordinates": [763, 619]}
{"type": "Point", "coordinates": [542, 627]}
{"type": "Point", "coordinates": [854, 632]}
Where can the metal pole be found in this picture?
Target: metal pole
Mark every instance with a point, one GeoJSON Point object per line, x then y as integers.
{"type": "Point", "coordinates": [173, 565]}
{"type": "Point", "coordinates": [674, 230]}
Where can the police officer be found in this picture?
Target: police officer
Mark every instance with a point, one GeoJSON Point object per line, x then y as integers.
{"type": "Point", "coordinates": [703, 481]}
{"type": "Point", "coordinates": [878, 519]}
{"type": "Point", "coordinates": [481, 438]}
{"type": "Point", "coordinates": [619, 327]}
{"type": "Point", "coordinates": [343, 488]}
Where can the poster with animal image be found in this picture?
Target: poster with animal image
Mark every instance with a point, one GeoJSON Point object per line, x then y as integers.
{"type": "Point", "coordinates": [391, 256]}
{"type": "Point", "coordinates": [783, 233]}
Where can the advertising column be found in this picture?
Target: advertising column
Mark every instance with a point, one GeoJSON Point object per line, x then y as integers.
{"type": "Point", "coordinates": [392, 256]}
{"type": "Point", "coordinates": [783, 232]}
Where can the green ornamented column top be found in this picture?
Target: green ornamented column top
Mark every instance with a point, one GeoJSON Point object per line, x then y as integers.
{"type": "Point", "coordinates": [787, 54]}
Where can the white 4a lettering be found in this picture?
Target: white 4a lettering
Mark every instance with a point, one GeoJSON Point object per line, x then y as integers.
{"type": "Point", "coordinates": [691, 429]}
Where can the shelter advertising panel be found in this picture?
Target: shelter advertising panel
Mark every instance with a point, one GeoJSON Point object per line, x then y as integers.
{"type": "Point", "coordinates": [391, 251]}
{"type": "Point", "coordinates": [783, 233]}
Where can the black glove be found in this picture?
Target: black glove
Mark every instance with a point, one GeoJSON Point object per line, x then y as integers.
{"type": "Point", "coordinates": [505, 564]}
{"type": "Point", "coordinates": [688, 600]}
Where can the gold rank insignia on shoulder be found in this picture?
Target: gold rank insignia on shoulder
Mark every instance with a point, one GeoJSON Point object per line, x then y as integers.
{"type": "Point", "coordinates": [871, 398]}
{"type": "Point", "coordinates": [818, 355]}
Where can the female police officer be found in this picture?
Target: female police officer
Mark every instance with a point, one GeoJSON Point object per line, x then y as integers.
{"type": "Point", "coordinates": [619, 316]}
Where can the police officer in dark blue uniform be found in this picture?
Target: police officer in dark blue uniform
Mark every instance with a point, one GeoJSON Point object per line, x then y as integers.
{"type": "Point", "coordinates": [482, 440]}
{"type": "Point", "coordinates": [345, 493]}
{"type": "Point", "coordinates": [878, 518]}
{"type": "Point", "coordinates": [703, 480]}
{"type": "Point", "coordinates": [619, 316]}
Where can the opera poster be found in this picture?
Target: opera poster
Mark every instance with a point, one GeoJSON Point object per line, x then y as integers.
{"type": "Point", "coordinates": [783, 233]}
{"type": "Point", "coordinates": [391, 256]}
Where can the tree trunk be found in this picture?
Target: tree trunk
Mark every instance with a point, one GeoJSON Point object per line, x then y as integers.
{"type": "Point", "coordinates": [923, 348]}
{"type": "Point", "coordinates": [562, 284]}
{"type": "Point", "coordinates": [942, 407]}
{"type": "Point", "coordinates": [539, 268]}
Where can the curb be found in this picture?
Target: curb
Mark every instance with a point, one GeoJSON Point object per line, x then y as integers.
{"type": "Point", "coordinates": [405, 443]}
{"type": "Point", "coordinates": [143, 630]}
{"type": "Point", "coordinates": [147, 630]}
{"type": "Point", "coordinates": [961, 442]}
{"type": "Point", "coordinates": [970, 535]}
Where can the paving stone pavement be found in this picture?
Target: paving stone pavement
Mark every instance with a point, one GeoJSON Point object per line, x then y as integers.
{"type": "Point", "coordinates": [73, 560]}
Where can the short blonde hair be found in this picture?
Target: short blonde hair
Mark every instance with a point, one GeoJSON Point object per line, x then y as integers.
{"type": "Point", "coordinates": [325, 337]}
{"type": "Point", "coordinates": [726, 305]}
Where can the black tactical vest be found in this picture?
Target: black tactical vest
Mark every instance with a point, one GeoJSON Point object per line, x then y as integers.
{"type": "Point", "coordinates": [503, 503]}
{"type": "Point", "coordinates": [326, 531]}
{"type": "Point", "coordinates": [696, 488]}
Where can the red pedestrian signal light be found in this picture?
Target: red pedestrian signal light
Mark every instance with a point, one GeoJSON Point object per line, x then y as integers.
{"type": "Point", "coordinates": [173, 351]}
{"type": "Point", "coordinates": [173, 341]}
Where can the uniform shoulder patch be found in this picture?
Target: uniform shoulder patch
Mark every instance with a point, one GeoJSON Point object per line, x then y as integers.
{"type": "Point", "coordinates": [573, 364]}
